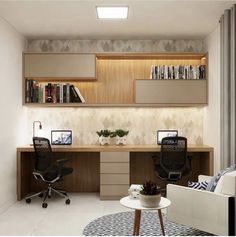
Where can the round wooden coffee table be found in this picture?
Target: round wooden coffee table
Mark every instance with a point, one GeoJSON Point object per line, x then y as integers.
{"type": "Point", "coordinates": [135, 204]}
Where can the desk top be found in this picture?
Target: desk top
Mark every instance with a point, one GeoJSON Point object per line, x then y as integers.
{"type": "Point", "coordinates": [128, 148]}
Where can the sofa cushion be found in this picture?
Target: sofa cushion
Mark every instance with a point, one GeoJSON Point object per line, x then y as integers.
{"type": "Point", "coordinates": [213, 182]}
{"type": "Point", "coordinates": [198, 185]}
{"type": "Point", "coordinates": [229, 184]}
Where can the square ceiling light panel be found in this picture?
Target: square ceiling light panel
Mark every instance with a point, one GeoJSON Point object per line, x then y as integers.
{"type": "Point", "coordinates": [112, 12]}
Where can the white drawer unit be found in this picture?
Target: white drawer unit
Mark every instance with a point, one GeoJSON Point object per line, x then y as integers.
{"type": "Point", "coordinates": [114, 175]}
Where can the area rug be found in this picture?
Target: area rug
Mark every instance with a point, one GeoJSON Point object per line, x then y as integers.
{"type": "Point", "coordinates": [121, 224]}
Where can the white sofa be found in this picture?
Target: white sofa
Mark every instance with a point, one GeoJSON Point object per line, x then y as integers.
{"type": "Point", "coordinates": [213, 212]}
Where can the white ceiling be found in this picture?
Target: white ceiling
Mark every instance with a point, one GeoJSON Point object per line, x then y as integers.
{"type": "Point", "coordinates": [150, 19]}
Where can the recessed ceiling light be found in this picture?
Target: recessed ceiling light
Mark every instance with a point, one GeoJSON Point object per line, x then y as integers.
{"type": "Point", "coordinates": [112, 12]}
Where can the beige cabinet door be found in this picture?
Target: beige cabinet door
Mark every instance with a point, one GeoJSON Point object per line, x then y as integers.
{"type": "Point", "coordinates": [171, 92]}
{"type": "Point", "coordinates": [53, 65]}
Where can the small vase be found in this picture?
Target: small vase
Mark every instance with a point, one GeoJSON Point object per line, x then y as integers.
{"type": "Point", "coordinates": [149, 200]}
{"type": "Point", "coordinates": [121, 140]}
{"type": "Point", "coordinates": [104, 140]}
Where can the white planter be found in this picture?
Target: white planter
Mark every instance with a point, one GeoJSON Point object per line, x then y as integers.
{"type": "Point", "coordinates": [149, 200]}
{"type": "Point", "coordinates": [121, 140]}
{"type": "Point", "coordinates": [104, 140]}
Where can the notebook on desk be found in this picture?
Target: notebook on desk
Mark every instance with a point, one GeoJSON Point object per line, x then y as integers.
{"type": "Point", "coordinates": [165, 133]}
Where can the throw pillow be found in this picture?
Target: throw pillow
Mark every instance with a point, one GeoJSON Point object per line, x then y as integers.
{"type": "Point", "coordinates": [213, 182]}
{"type": "Point", "coordinates": [198, 185]}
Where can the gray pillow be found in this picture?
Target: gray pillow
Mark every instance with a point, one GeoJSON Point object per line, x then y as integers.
{"type": "Point", "coordinates": [213, 182]}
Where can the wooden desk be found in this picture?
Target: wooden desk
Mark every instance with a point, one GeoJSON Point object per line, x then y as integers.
{"type": "Point", "coordinates": [94, 165]}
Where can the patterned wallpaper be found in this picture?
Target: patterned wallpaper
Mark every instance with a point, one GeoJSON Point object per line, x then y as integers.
{"type": "Point", "coordinates": [141, 122]}
{"type": "Point", "coordinates": [75, 46]}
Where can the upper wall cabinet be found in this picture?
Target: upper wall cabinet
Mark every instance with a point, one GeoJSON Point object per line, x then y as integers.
{"type": "Point", "coordinates": [122, 79]}
{"type": "Point", "coordinates": [59, 65]}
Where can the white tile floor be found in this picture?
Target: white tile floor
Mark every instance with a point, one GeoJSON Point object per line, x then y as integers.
{"type": "Point", "coordinates": [58, 218]}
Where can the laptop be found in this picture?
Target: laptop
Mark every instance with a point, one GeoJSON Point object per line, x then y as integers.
{"type": "Point", "coordinates": [61, 137]}
{"type": "Point", "coordinates": [165, 133]}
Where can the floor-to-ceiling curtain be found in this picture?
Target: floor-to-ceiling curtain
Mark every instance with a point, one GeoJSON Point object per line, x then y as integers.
{"type": "Point", "coordinates": [228, 87]}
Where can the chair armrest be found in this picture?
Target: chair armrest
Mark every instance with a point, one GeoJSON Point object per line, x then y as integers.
{"type": "Point", "coordinates": [62, 161]}
{"type": "Point", "coordinates": [207, 211]}
{"type": "Point", "coordinates": [202, 178]}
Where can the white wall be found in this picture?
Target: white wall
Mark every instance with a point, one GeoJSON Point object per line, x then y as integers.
{"type": "Point", "coordinates": [211, 122]}
{"type": "Point", "coordinates": [13, 119]}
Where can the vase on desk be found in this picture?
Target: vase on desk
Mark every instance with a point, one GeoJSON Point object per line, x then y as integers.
{"type": "Point", "coordinates": [104, 140]}
{"type": "Point", "coordinates": [121, 140]}
{"type": "Point", "coordinates": [121, 136]}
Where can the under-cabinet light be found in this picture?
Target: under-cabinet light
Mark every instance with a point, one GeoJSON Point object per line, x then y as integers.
{"type": "Point", "coordinates": [112, 12]}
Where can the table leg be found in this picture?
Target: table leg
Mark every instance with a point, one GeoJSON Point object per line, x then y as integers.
{"type": "Point", "coordinates": [161, 222]}
{"type": "Point", "coordinates": [137, 218]}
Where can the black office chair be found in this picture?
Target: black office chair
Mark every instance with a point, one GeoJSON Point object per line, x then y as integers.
{"type": "Point", "coordinates": [174, 162]}
{"type": "Point", "coordinates": [47, 170]}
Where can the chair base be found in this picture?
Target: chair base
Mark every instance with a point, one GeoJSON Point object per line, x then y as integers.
{"type": "Point", "coordinates": [47, 193]}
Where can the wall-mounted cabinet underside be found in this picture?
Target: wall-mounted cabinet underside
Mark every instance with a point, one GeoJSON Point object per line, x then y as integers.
{"type": "Point", "coordinates": [122, 80]}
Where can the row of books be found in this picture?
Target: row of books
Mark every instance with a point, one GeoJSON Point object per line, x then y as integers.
{"type": "Point", "coordinates": [178, 72]}
{"type": "Point", "coordinates": [52, 93]}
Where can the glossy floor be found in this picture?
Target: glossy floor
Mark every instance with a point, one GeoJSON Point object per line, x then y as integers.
{"type": "Point", "coordinates": [59, 218]}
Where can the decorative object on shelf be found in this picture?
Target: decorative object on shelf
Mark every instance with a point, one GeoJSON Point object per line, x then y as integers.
{"type": "Point", "coordinates": [150, 195]}
{"type": "Point", "coordinates": [121, 136]}
{"type": "Point", "coordinates": [104, 137]}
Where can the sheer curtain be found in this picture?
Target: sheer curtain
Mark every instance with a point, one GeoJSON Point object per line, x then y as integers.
{"type": "Point", "coordinates": [228, 87]}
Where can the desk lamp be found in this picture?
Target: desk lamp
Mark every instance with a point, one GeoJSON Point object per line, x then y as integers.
{"type": "Point", "coordinates": [40, 126]}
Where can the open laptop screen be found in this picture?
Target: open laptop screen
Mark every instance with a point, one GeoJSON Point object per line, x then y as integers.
{"type": "Point", "coordinates": [61, 137]}
{"type": "Point", "coordinates": [165, 133]}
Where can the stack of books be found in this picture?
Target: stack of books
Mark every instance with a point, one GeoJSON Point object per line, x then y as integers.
{"type": "Point", "coordinates": [52, 93]}
{"type": "Point", "coordinates": [178, 72]}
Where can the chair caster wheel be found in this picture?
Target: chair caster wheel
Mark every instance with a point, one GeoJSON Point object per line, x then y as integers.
{"type": "Point", "coordinates": [49, 196]}
{"type": "Point", "coordinates": [28, 200]}
{"type": "Point", "coordinates": [44, 205]}
{"type": "Point", "coordinates": [41, 195]}
{"type": "Point", "coordinates": [67, 201]}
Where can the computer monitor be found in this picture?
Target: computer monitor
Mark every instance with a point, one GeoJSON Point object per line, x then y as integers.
{"type": "Point", "coordinates": [165, 133]}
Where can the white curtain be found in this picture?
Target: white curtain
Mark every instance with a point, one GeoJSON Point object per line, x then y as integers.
{"type": "Point", "coordinates": [228, 87]}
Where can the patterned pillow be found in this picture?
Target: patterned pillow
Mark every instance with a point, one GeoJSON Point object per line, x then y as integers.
{"type": "Point", "coordinates": [214, 181]}
{"type": "Point", "coordinates": [198, 185]}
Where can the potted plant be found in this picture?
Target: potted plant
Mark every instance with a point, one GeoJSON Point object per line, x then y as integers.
{"type": "Point", "coordinates": [104, 137]}
{"type": "Point", "coordinates": [150, 194]}
{"type": "Point", "coordinates": [121, 136]}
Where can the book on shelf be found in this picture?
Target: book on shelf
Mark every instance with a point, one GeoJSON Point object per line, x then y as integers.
{"type": "Point", "coordinates": [177, 72]}
{"type": "Point", "coordinates": [79, 94]}
{"type": "Point", "coordinates": [74, 96]}
{"type": "Point", "coordinates": [36, 92]}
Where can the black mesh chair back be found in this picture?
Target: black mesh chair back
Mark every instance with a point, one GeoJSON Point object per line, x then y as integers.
{"type": "Point", "coordinates": [173, 157]}
{"type": "Point", "coordinates": [43, 152]}
{"type": "Point", "coordinates": [48, 170]}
